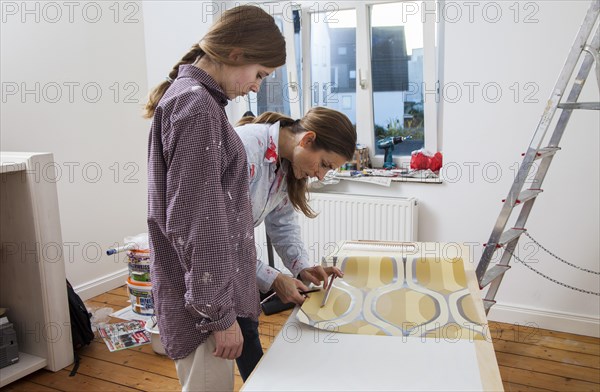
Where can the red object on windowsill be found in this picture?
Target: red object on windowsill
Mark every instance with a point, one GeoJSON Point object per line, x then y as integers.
{"type": "Point", "coordinates": [423, 160]}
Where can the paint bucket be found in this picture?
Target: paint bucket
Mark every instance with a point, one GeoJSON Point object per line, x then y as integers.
{"type": "Point", "coordinates": [140, 294]}
{"type": "Point", "coordinates": [152, 329]}
{"type": "Point", "coordinates": [139, 264]}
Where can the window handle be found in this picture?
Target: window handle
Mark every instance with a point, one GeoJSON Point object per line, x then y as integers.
{"type": "Point", "coordinates": [361, 81]}
{"type": "Point", "coordinates": [292, 82]}
{"type": "Point", "coordinates": [316, 93]}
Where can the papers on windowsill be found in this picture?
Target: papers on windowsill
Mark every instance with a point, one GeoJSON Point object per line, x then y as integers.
{"type": "Point", "coordinates": [386, 177]}
{"type": "Point", "coordinates": [375, 176]}
{"type": "Point", "coordinates": [383, 181]}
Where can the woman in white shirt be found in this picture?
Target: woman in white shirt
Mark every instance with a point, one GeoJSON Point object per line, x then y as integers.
{"type": "Point", "coordinates": [282, 154]}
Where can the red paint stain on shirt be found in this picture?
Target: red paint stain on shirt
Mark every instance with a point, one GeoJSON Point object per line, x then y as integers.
{"type": "Point", "coordinates": [271, 153]}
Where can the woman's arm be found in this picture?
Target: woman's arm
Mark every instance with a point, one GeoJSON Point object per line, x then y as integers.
{"type": "Point", "coordinates": [283, 228]}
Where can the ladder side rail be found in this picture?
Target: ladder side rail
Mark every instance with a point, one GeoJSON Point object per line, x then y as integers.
{"type": "Point", "coordinates": [490, 295]}
{"type": "Point", "coordinates": [565, 75]}
{"type": "Point", "coordinates": [510, 249]}
{"type": "Point", "coordinates": [561, 84]}
{"type": "Point", "coordinates": [493, 289]}
{"type": "Point", "coordinates": [558, 132]}
{"type": "Point", "coordinates": [582, 75]}
{"type": "Point", "coordinates": [511, 246]}
{"type": "Point", "coordinates": [593, 50]}
{"type": "Point", "coordinates": [486, 258]}
{"type": "Point", "coordinates": [505, 213]}
{"type": "Point", "coordinates": [524, 213]}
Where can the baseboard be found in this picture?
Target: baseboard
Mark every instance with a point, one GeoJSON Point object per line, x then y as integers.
{"type": "Point", "coordinates": [102, 285]}
{"type": "Point", "coordinates": [564, 322]}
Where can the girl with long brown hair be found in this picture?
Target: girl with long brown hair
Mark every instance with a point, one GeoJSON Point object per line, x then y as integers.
{"type": "Point", "coordinates": [200, 226]}
{"type": "Point", "coordinates": [282, 154]}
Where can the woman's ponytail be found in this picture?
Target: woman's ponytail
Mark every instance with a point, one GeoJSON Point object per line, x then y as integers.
{"type": "Point", "coordinates": [157, 93]}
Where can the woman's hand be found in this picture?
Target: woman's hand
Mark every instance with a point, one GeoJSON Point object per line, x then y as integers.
{"type": "Point", "coordinates": [318, 274]}
{"type": "Point", "coordinates": [288, 289]}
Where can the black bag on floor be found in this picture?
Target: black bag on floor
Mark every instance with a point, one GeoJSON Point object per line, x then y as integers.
{"type": "Point", "coordinates": [274, 305]}
{"type": "Point", "coordinates": [81, 325]}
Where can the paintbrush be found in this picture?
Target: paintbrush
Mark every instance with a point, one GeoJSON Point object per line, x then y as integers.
{"type": "Point", "coordinates": [300, 291]}
{"type": "Point", "coordinates": [330, 284]}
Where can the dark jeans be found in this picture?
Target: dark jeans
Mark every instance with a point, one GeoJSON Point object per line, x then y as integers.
{"type": "Point", "coordinates": [252, 351]}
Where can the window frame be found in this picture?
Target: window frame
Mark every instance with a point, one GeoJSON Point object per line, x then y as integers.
{"type": "Point", "coordinates": [364, 95]}
{"type": "Point", "coordinates": [365, 125]}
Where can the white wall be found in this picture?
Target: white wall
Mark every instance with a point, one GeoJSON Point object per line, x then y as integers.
{"type": "Point", "coordinates": [96, 214]}
{"type": "Point", "coordinates": [170, 29]}
{"type": "Point", "coordinates": [88, 47]}
{"type": "Point", "coordinates": [74, 51]}
{"type": "Point", "coordinates": [479, 134]}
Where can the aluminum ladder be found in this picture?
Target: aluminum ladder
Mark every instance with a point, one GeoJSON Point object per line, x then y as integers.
{"type": "Point", "coordinates": [507, 240]}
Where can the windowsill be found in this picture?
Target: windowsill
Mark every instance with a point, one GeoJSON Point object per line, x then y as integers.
{"type": "Point", "coordinates": [436, 180]}
{"type": "Point", "coordinates": [385, 181]}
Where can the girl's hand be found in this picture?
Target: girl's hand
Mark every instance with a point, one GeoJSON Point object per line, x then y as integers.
{"type": "Point", "coordinates": [229, 343]}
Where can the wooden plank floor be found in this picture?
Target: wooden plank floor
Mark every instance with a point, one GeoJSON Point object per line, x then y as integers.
{"type": "Point", "coordinates": [530, 359]}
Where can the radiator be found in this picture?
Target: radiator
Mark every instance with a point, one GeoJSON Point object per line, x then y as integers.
{"type": "Point", "coordinates": [349, 217]}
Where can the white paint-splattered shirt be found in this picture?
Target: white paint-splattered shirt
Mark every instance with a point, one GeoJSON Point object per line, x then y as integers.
{"type": "Point", "coordinates": [270, 203]}
{"type": "Point", "coordinates": [200, 225]}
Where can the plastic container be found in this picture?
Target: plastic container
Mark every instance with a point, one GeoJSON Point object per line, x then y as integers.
{"type": "Point", "coordinates": [140, 294]}
{"type": "Point", "coordinates": [139, 256]}
{"type": "Point", "coordinates": [152, 328]}
{"type": "Point", "coordinates": [139, 272]}
{"type": "Point", "coordinates": [139, 265]}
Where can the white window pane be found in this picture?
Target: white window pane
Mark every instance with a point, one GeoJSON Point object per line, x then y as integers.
{"type": "Point", "coordinates": [397, 75]}
{"type": "Point", "coordinates": [273, 95]}
{"type": "Point", "coordinates": [333, 61]}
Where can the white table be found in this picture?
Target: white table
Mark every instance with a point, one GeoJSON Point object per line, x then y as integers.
{"type": "Point", "coordinates": [303, 358]}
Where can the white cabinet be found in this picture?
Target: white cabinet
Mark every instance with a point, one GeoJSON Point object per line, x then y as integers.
{"type": "Point", "coordinates": [32, 271]}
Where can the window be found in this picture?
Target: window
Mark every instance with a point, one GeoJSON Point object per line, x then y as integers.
{"type": "Point", "coordinates": [397, 76]}
{"type": "Point", "coordinates": [271, 96]}
{"type": "Point", "coordinates": [372, 60]}
{"type": "Point", "coordinates": [382, 74]}
{"type": "Point", "coordinates": [333, 61]}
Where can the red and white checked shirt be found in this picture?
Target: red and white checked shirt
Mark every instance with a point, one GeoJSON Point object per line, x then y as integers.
{"type": "Point", "coordinates": [200, 223]}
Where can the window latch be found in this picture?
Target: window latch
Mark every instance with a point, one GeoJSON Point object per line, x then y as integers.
{"type": "Point", "coordinates": [361, 81]}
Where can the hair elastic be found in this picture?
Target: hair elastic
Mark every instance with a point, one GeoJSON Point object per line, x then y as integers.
{"type": "Point", "coordinates": [168, 79]}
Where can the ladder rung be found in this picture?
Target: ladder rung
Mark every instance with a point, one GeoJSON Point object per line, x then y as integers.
{"type": "Point", "coordinates": [528, 194]}
{"type": "Point", "coordinates": [492, 274]}
{"type": "Point", "coordinates": [546, 152]}
{"type": "Point", "coordinates": [510, 235]}
{"type": "Point", "coordinates": [487, 304]}
{"type": "Point", "coordinates": [580, 105]}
